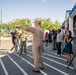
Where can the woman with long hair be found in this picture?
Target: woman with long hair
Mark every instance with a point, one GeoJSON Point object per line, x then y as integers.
{"type": "Point", "coordinates": [68, 47]}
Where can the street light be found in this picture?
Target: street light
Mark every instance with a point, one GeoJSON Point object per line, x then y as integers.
{"type": "Point", "coordinates": [0, 16]}
{"type": "Point", "coordinates": [0, 23]}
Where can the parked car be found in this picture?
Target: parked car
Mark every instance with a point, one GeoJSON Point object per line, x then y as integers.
{"type": "Point", "coordinates": [30, 37]}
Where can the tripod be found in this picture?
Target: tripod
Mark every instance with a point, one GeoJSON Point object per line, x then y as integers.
{"type": "Point", "coordinates": [71, 60]}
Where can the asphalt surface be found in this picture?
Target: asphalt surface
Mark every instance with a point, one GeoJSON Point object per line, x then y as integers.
{"type": "Point", "coordinates": [15, 64]}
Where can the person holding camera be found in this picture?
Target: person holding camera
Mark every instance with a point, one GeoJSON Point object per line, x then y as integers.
{"type": "Point", "coordinates": [68, 47]}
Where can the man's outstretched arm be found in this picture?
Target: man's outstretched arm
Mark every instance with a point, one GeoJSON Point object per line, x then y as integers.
{"type": "Point", "coordinates": [29, 29]}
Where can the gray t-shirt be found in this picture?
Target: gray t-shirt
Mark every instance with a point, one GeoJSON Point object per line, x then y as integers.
{"type": "Point", "coordinates": [59, 37]}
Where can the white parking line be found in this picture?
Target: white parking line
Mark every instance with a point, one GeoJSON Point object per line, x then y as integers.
{"type": "Point", "coordinates": [52, 67]}
{"type": "Point", "coordinates": [55, 61]}
{"type": "Point", "coordinates": [54, 56]}
{"type": "Point", "coordinates": [30, 63]}
{"type": "Point", "coordinates": [5, 71]}
{"type": "Point", "coordinates": [16, 64]}
{"type": "Point", "coordinates": [51, 55]}
{"type": "Point", "coordinates": [54, 53]}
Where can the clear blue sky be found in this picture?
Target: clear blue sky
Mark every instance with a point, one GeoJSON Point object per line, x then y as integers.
{"type": "Point", "coordinates": [54, 9]}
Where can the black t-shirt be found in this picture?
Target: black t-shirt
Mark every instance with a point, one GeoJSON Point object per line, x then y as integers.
{"type": "Point", "coordinates": [54, 36]}
{"type": "Point", "coordinates": [13, 36]}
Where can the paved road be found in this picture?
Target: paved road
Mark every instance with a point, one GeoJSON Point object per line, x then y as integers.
{"type": "Point", "coordinates": [14, 64]}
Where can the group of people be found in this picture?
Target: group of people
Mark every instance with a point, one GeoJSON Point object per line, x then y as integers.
{"type": "Point", "coordinates": [37, 47]}
{"type": "Point", "coordinates": [19, 41]}
{"type": "Point", "coordinates": [58, 40]}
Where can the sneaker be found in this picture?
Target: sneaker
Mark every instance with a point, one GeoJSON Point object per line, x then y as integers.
{"type": "Point", "coordinates": [37, 71]}
{"type": "Point", "coordinates": [41, 68]}
{"type": "Point", "coordinates": [59, 55]}
{"type": "Point", "coordinates": [66, 61]}
{"type": "Point", "coordinates": [10, 51]}
{"type": "Point", "coordinates": [53, 49]}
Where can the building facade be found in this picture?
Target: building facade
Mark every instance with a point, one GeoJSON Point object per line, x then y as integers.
{"type": "Point", "coordinates": [70, 23]}
{"type": "Point", "coordinates": [70, 20]}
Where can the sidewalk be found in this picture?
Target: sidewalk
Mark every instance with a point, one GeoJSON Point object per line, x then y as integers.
{"type": "Point", "coordinates": [74, 50]}
{"type": "Point", "coordinates": [5, 38]}
{"type": "Point", "coordinates": [6, 44]}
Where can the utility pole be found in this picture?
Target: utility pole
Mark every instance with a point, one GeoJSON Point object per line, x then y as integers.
{"type": "Point", "coordinates": [0, 23]}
